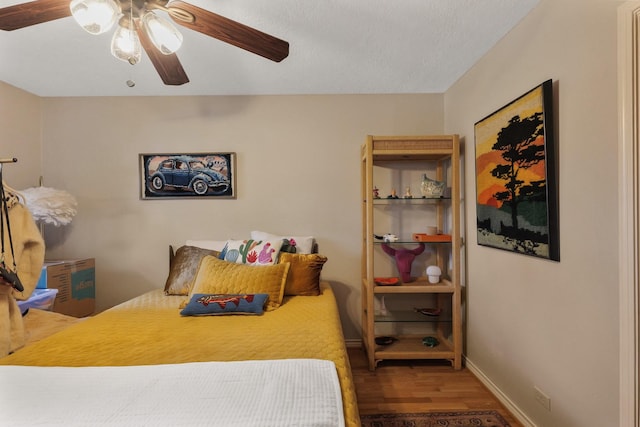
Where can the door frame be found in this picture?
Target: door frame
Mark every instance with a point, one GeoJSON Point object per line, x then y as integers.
{"type": "Point", "coordinates": [629, 221]}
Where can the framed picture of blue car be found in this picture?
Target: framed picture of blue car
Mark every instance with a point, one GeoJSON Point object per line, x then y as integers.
{"type": "Point", "coordinates": [188, 175]}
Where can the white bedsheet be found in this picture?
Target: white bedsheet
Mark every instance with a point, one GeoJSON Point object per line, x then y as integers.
{"type": "Point", "coordinates": [294, 392]}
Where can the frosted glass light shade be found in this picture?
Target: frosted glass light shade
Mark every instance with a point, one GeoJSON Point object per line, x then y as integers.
{"type": "Point", "coordinates": [164, 36]}
{"type": "Point", "coordinates": [125, 45]}
{"type": "Point", "coordinates": [95, 16]}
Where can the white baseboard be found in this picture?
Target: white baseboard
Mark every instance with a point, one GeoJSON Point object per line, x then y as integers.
{"type": "Point", "coordinates": [503, 398]}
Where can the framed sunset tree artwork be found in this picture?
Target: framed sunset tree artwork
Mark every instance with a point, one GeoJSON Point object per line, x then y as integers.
{"type": "Point", "coordinates": [516, 190]}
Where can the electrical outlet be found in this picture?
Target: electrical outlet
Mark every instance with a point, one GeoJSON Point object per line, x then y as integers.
{"type": "Point", "coordinates": [542, 398]}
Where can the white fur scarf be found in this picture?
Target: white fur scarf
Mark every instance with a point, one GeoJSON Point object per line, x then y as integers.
{"type": "Point", "coordinates": [28, 247]}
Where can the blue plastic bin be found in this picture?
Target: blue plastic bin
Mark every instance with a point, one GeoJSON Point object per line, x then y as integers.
{"type": "Point", "coordinates": [42, 299]}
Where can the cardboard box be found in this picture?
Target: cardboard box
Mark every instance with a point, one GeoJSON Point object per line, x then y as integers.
{"type": "Point", "coordinates": [75, 281]}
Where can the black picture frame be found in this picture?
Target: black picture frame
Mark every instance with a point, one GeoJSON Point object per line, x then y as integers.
{"type": "Point", "coordinates": [516, 176]}
{"type": "Point", "coordinates": [209, 175]}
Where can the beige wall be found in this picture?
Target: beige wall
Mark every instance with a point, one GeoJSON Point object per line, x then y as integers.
{"type": "Point", "coordinates": [297, 172]}
{"type": "Point", "coordinates": [529, 321]}
{"type": "Point", "coordinates": [532, 322]}
{"type": "Point", "coordinates": [20, 131]}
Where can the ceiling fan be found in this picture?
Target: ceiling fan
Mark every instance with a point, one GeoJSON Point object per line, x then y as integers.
{"type": "Point", "coordinates": [139, 27]}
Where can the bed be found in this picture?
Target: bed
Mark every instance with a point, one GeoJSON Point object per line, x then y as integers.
{"type": "Point", "coordinates": [144, 344]}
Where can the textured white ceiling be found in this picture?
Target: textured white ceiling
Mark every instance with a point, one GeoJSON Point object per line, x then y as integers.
{"type": "Point", "coordinates": [336, 47]}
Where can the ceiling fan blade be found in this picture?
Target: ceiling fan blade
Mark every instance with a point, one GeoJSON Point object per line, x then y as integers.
{"type": "Point", "coordinates": [232, 32]}
{"type": "Point", "coordinates": [168, 66]}
{"type": "Point", "coordinates": [32, 13]}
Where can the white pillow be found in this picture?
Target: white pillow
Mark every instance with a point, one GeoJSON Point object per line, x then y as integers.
{"type": "Point", "coordinates": [212, 245]}
{"type": "Point", "coordinates": [304, 244]}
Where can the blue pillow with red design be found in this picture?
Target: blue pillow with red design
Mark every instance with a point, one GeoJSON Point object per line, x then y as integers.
{"type": "Point", "coordinates": [217, 304]}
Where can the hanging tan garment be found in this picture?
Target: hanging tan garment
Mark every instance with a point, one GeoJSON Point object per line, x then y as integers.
{"type": "Point", "coordinates": [29, 248]}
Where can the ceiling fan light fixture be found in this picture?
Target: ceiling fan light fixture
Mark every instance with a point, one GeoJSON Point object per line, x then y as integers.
{"type": "Point", "coordinates": [125, 45]}
{"type": "Point", "coordinates": [164, 36]}
{"type": "Point", "coordinates": [95, 16]}
{"type": "Point", "coordinates": [158, 38]}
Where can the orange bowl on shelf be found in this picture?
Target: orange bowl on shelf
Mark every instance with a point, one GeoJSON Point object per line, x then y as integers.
{"type": "Point", "coordinates": [422, 237]}
{"type": "Point", "coordinates": [386, 281]}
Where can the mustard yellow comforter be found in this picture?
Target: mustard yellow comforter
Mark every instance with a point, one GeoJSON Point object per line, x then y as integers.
{"type": "Point", "coordinates": [149, 330]}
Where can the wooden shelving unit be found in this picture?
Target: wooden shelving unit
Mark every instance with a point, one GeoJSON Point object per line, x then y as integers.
{"type": "Point", "coordinates": [441, 154]}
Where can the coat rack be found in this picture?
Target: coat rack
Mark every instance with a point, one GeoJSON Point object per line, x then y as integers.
{"type": "Point", "coordinates": [7, 160]}
{"type": "Point", "coordinates": [3, 161]}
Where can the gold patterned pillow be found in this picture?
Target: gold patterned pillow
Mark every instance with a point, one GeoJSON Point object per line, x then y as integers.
{"type": "Point", "coordinates": [183, 267]}
{"type": "Point", "coordinates": [304, 273]}
{"type": "Point", "coordinates": [216, 276]}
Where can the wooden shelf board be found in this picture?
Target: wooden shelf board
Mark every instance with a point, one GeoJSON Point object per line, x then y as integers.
{"type": "Point", "coordinates": [411, 316]}
{"type": "Point", "coordinates": [420, 286]}
{"type": "Point", "coordinates": [411, 347]}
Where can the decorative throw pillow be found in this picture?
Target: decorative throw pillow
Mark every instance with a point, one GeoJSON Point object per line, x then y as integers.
{"type": "Point", "coordinates": [183, 266]}
{"type": "Point", "coordinates": [216, 276]}
{"type": "Point", "coordinates": [302, 244]}
{"type": "Point", "coordinates": [304, 273]}
{"type": "Point", "coordinates": [254, 252]}
{"type": "Point", "coordinates": [217, 304]}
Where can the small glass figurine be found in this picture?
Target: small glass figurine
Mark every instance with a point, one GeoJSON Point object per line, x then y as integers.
{"type": "Point", "coordinates": [431, 187]}
{"type": "Point", "coordinates": [407, 193]}
{"type": "Point", "coordinates": [376, 192]}
{"type": "Point", "coordinates": [393, 194]}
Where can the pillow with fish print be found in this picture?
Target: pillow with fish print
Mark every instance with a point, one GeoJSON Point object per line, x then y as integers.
{"type": "Point", "coordinates": [217, 304]}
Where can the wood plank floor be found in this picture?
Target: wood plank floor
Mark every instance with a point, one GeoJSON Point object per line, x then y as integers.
{"type": "Point", "coordinates": [419, 386]}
